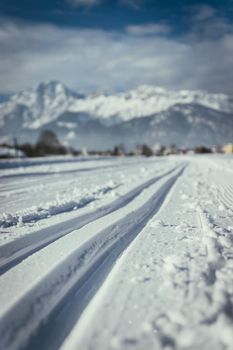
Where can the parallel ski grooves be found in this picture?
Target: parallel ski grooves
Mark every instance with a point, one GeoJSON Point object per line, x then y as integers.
{"type": "Point", "coordinates": [84, 268]}
{"type": "Point", "coordinates": [58, 325]}
{"type": "Point", "coordinates": [15, 251]}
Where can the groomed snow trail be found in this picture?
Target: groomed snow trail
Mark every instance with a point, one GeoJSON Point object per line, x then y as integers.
{"type": "Point", "coordinates": [146, 265]}
{"type": "Point", "coordinates": [17, 249]}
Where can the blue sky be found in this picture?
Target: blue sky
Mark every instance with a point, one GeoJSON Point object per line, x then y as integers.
{"type": "Point", "coordinates": [116, 45]}
{"type": "Point", "coordinates": [110, 14]}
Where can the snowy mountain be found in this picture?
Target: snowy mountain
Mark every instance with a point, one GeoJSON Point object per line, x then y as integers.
{"type": "Point", "coordinates": [147, 114]}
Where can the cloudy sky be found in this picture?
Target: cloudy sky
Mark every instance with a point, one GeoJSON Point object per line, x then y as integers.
{"type": "Point", "coordinates": [114, 45]}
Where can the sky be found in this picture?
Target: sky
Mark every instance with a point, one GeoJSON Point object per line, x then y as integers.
{"type": "Point", "coordinates": [116, 45]}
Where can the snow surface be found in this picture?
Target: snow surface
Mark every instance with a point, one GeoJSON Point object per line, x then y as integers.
{"type": "Point", "coordinates": [123, 253]}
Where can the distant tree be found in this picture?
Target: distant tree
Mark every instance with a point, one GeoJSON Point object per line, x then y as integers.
{"type": "Point", "coordinates": [146, 150]}
{"type": "Point", "coordinates": [48, 144]}
{"type": "Point", "coordinates": [16, 147]}
{"type": "Point", "coordinates": [202, 149]}
{"type": "Point", "coordinates": [118, 150]}
{"type": "Point", "coordinates": [48, 138]}
{"type": "Point", "coordinates": [28, 149]}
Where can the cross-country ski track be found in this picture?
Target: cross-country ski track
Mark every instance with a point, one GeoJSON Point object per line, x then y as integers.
{"type": "Point", "coordinates": [117, 253]}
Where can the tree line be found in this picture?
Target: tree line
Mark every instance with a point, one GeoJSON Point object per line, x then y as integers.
{"type": "Point", "coordinates": [49, 144]}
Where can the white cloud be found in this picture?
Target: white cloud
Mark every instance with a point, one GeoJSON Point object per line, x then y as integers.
{"type": "Point", "coordinates": [214, 27]}
{"type": "Point", "coordinates": [148, 29]}
{"type": "Point", "coordinates": [203, 12]}
{"type": "Point", "coordinates": [97, 59]}
{"type": "Point", "coordinates": [84, 3]}
{"type": "Point", "coordinates": [206, 22]}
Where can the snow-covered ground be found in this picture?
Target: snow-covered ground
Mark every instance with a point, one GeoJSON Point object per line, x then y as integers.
{"type": "Point", "coordinates": [116, 253]}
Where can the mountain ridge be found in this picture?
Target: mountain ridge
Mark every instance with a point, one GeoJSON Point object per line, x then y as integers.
{"type": "Point", "coordinates": [173, 116]}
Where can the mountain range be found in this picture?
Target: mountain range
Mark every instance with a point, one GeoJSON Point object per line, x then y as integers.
{"type": "Point", "coordinates": [147, 114]}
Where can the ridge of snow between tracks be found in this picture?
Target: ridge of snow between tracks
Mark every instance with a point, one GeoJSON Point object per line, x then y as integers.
{"type": "Point", "coordinates": [22, 247]}
{"type": "Point", "coordinates": [28, 300]}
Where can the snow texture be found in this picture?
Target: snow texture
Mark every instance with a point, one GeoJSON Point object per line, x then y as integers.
{"type": "Point", "coordinates": [143, 260]}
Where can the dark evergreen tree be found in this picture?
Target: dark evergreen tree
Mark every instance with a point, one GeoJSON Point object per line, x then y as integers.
{"type": "Point", "coordinates": [48, 144]}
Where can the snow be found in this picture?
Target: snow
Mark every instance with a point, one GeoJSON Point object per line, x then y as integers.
{"type": "Point", "coordinates": [10, 152]}
{"type": "Point", "coordinates": [146, 264]}
{"type": "Point", "coordinates": [148, 100]}
{"type": "Point", "coordinates": [147, 114]}
{"type": "Point", "coordinates": [50, 100]}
